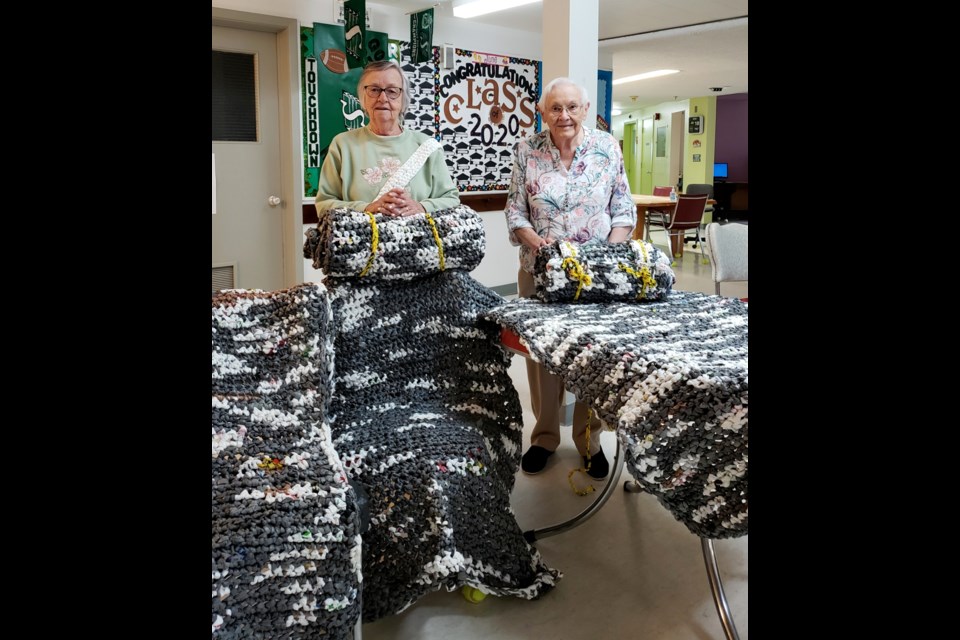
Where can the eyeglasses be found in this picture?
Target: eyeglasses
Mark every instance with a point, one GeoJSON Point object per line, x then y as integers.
{"type": "Point", "coordinates": [374, 92]}
{"type": "Point", "coordinates": [572, 109]}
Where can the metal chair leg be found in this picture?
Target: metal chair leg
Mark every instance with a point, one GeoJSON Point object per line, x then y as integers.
{"type": "Point", "coordinates": [713, 574]}
{"type": "Point", "coordinates": [719, 598]}
{"type": "Point", "coordinates": [583, 516]}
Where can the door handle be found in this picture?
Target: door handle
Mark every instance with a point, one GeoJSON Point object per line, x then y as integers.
{"type": "Point", "coordinates": [273, 201]}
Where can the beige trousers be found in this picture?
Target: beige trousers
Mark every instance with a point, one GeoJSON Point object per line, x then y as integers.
{"type": "Point", "coordinates": [546, 396]}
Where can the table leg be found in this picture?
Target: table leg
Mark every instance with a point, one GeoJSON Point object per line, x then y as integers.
{"type": "Point", "coordinates": [641, 222]}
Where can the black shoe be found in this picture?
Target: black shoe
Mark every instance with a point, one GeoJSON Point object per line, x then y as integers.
{"type": "Point", "coordinates": [599, 467]}
{"type": "Point", "coordinates": [534, 460]}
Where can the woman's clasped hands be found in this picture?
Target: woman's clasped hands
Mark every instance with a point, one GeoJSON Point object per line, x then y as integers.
{"type": "Point", "coordinates": [396, 203]}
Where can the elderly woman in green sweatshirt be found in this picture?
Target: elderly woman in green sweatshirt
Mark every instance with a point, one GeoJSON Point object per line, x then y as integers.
{"type": "Point", "coordinates": [365, 169]}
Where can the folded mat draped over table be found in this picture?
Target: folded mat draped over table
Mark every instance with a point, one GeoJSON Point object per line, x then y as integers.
{"type": "Point", "coordinates": [392, 382]}
{"type": "Point", "coordinates": [671, 378]}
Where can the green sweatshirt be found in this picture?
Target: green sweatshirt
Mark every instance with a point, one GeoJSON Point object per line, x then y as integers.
{"type": "Point", "coordinates": [360, 161]}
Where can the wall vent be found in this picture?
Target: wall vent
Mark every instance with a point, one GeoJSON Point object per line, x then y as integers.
{"type": "Point", "coordinates": [224, 277]}
{"type": "Point", "coordinates": [447, 56]}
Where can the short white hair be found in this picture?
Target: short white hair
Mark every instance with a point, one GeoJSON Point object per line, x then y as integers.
{"type": "Point", "coordinates": [584, 98]}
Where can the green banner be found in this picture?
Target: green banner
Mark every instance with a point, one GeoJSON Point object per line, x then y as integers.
{"type": "Point", "coordinates": [421, 36]}
{"type": "Point", "coordinates": [330, 103]}
{"type": "Point", "coordinates": [377, 46]}
{"type": "Point", "coordinates": [354, 32]}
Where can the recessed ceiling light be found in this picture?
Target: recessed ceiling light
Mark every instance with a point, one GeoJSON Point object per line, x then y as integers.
{"type": "Point", "coordinates": [644, 76]}
{"type": "Point", "coordinates": [473, 8]}
{"type": "Point", "coordinates": [616, 112]}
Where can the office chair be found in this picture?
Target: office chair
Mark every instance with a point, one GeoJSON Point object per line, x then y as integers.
{"type": "Point", "coordinates": [662, 191]}
{"type": "Point", "coordinates": [727, 244]}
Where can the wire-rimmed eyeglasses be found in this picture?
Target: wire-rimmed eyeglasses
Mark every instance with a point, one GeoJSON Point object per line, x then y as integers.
{"type": "Point", "coordinates": [374, 91]}
{"type": "Point", "coordinates": [572, 109]}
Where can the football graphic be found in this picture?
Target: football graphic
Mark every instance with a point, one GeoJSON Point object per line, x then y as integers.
{"type": "Point", "coordinates": [334, 59]}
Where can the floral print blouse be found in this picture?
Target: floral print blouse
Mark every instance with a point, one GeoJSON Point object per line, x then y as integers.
{"type": "Point", "coordinates": [581, 204]}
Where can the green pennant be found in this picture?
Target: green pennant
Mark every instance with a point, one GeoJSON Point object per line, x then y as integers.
{"type": "Point", "coordinates": [354, 32]}
{"type": "Point", "coordinates": [421, 36]}
{"type": "Point", "coordinates": [377, 46]}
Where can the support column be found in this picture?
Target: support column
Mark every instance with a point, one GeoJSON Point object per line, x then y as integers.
{"type": "Point", "coordinates": [571, 31]}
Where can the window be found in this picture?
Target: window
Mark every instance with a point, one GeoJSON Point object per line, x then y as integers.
{"type": "Point", "coordinates": [234, 89]}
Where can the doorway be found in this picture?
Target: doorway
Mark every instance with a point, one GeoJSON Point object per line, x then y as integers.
{"type": "Point", "coordinates": [257, 230]}
{"type": "Point", "coordinates": [646, 156]}
{"type": "Point", "coordinates": [677, 132]}
{"type": "Point", "coordinates": [630, 154]}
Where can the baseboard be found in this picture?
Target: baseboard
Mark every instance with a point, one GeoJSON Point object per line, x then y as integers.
{"type": "Point", "coordinates": [505, 290]}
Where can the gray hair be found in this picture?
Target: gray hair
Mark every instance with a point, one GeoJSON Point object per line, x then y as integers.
{"type": "Point", "coordinates": [584, 98]}
{"type": "Point", "coordinates": [383, 65]}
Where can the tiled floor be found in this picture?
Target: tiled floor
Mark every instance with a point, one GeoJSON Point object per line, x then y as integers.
{"type": "Point", "coordinates": [631, 571]}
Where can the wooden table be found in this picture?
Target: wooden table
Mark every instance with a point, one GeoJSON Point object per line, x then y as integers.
{"type": "Point", "coordinates": [656, 203]}
{"type": "Point", "coordinates": [645, 202]}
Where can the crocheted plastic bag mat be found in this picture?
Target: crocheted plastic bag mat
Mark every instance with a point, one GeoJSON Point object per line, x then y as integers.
{"type": "Point", "coordinates": [426, 417]}
{"type": "Point", "coordinates": [630, 271]}
{"type": "Point", "coordinates": [671, 378]}
{"type": "Point", "coordinates": [347, 243]}
{"type": "Point", "coordinates": [286, 536]}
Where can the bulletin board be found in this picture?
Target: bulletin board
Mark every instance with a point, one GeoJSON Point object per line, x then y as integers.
{"type": "Point", "coordinates": [486, 104]}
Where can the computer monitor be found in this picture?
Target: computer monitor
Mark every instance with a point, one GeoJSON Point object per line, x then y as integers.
{"type": "Point", "coordinates": [719, 171]}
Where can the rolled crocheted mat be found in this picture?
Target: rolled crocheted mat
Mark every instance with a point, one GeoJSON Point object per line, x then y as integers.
{"type": "Point", "coordinates": [633, 271]}
{"type": "Point", "coordinates": [355, 244]}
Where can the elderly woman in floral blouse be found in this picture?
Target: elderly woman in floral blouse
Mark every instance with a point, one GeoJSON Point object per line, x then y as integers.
{"type": "Point", "coordinates": [568, 183]}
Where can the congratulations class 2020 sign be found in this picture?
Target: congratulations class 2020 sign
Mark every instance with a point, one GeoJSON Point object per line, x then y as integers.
{"type": "Point", "coordinates": [485, 104]}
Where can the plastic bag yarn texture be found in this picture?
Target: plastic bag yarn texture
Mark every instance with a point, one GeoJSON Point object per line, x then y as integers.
{"type": "Point", "coordinates": [632, 271]}
{"type": "Point", "coordinates": [425, 416]}
{"type": "Point", "coordinates": [672, 379]}
{"type": "Point", "coordinates": [286, 539]}
{"type": "Point", "coordinates": [418, 408]}
{"type": "Point", "coordinates": [354, 244]}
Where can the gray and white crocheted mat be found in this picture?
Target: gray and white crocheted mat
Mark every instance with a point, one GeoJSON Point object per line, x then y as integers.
{"type": "Point", "coordinates": [671, 378]}
{"type": "Point", "coordinates": [286, 534]}
{"type": "Point", "coordinates": [347, 243]}
{"type": "Point", "coordinates": [426, 418]}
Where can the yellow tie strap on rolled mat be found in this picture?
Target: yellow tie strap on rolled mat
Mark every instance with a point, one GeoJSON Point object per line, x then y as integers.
{"type": "Point", "coordinates": [589, 489]}
{"type": "Point", "coordinates": [575, 270]}
{"type": "Point", "coordinates": [374, 241]}
{"type": "Point", "coordinates": [646, 280]}
{"type": "Point", "coordinates": [436, 238]}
